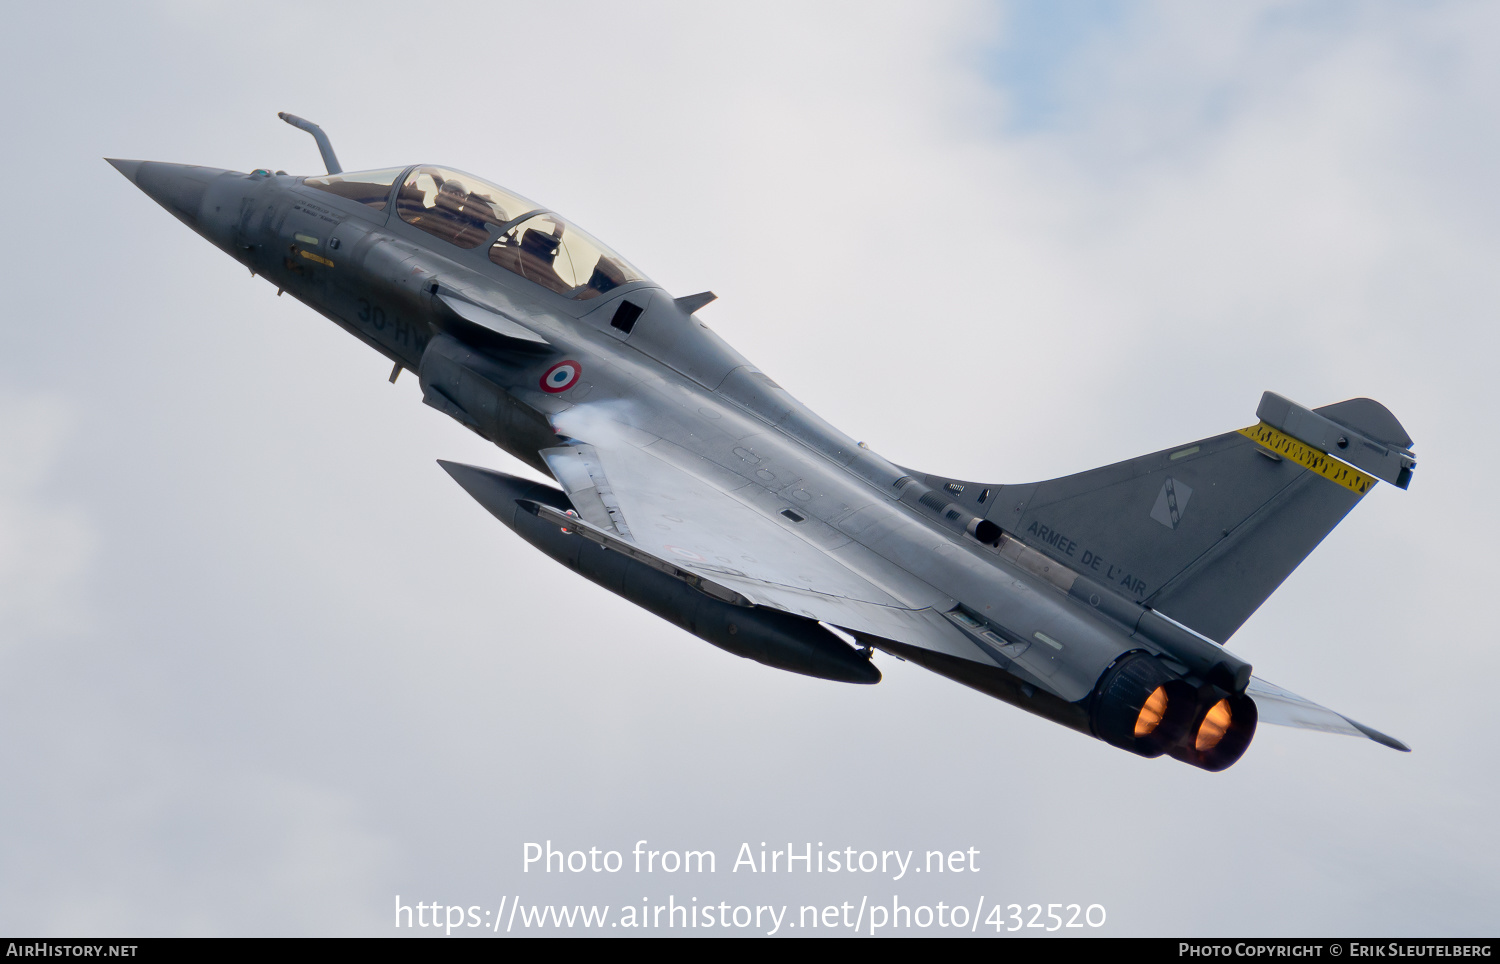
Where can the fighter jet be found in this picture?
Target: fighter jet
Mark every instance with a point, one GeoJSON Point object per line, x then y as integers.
{"type": "Point", "coordinates": [692, 484]}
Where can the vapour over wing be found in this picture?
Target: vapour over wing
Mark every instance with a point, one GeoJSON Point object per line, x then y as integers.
{"type": "Point", "coordinates": [685, 509]}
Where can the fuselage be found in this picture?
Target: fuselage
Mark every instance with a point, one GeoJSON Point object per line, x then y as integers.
{"type": "Point", "coordinates": [626, 351]}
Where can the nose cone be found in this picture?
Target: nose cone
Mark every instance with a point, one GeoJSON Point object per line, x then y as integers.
{"type": "Point", "coordinates": [177, 187]}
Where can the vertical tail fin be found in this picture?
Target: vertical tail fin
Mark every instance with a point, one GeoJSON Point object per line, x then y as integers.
{"type": "Point", "coordinates": [1205, 532]}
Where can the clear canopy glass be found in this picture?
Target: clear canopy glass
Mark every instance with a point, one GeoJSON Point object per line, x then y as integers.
{"type": "Point", "coordinates": [457, 207]}
{"type": "Point", "coordinates": [548, 250]}
{"type": "Point", "coordinates": [370, 188]}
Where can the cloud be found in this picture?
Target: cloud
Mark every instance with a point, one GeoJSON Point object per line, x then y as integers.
{"type": "Point", "coordinates": [46, 542]}
{"type": "Point", "coordinates": [300, 660]}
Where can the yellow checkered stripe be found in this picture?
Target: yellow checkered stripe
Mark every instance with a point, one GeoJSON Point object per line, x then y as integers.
{"type": "Point", "coordinates": [1310, 458]}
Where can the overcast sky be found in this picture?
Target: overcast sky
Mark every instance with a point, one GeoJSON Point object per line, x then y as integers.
{"type": "Point", "coordinates": [265, 667]}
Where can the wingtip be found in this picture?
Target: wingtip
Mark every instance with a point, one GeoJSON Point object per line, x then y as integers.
{"type": "Point", "coordinates": [1379, 737]}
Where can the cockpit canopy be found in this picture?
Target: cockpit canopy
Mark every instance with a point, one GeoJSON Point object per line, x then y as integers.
{"type": "Point", "coordinates": [548, 250]}
{"type": "Point", "coordinates": [460, 209]}
{"type": "Point", "coordinates": [467, 212]}
{"type": "Point", "coordinates": [370, 188]}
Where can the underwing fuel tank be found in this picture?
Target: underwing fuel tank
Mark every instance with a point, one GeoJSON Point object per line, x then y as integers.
{"type": "Point", "coordinates": [769, 636]}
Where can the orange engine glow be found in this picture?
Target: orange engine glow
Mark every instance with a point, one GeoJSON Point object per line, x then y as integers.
{"type": "Point", "coordinates": [1152, 712]}
{"type": "Point", "coordinates": [1215, 725]}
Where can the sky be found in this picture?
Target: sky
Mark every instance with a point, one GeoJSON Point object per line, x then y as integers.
{"type": "Point", "coordinates": [268, 671]}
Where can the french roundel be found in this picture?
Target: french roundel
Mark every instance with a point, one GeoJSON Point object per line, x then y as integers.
{"type": "Point", "coordinates": [560, 377]}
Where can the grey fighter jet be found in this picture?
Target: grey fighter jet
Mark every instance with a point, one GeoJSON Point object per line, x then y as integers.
{"type": "Point", "coordinates": [693, 485]}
